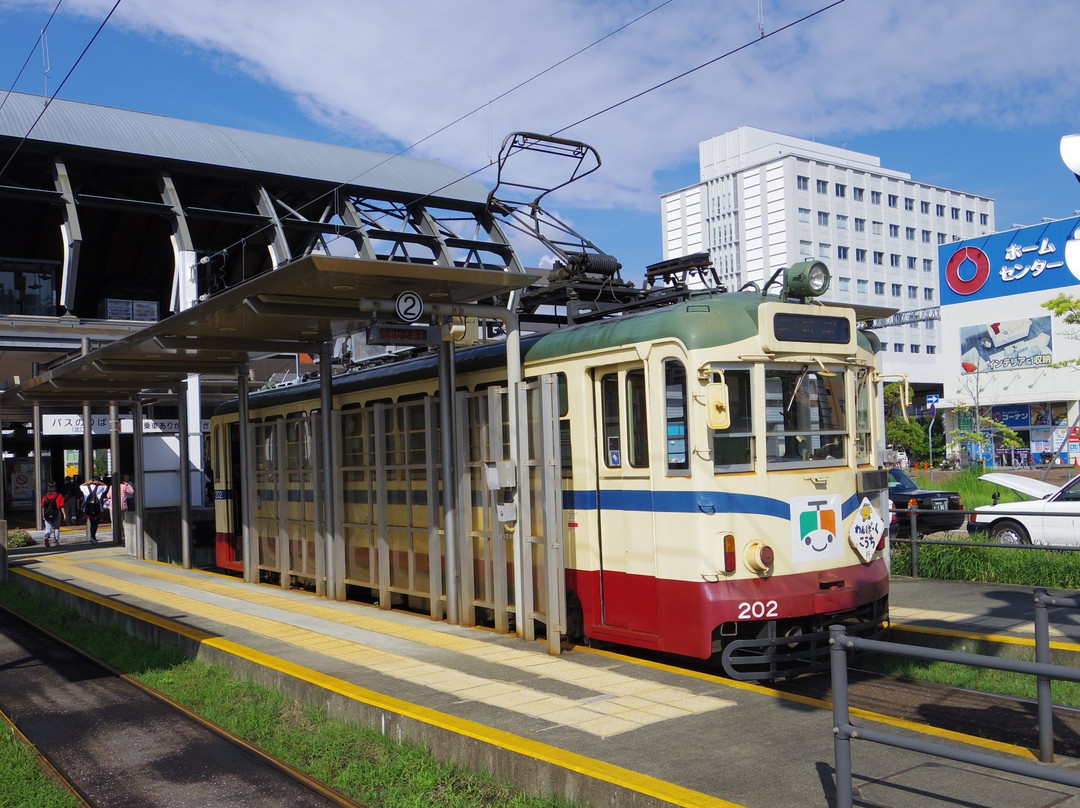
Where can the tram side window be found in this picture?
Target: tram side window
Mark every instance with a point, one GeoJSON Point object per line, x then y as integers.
{"type": "Point", "coordinates": [863, 440]}
{"type": "Point", "coordinates": [566, 449]}
{"type": "Point", "coordinates": [609, 412]}
{"type": "Point", "coordinates": [637, 422]}
{"type": "Point", "coordinates": [298, 441]}
{"type": "Point", "coordinates": [733, 448]}
{"type": "Point", "coordinates": [804, 412]}
{"type": "Point", "coordinates": [675, 415]}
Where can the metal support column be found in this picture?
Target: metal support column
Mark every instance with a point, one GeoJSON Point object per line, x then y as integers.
{"type": "Point", "coordinates": [117, 515]}
{"type": "Point", "coordinates": [247, 481]}
{"type": "Point", "coordinates": [449, 481]}
{"type": "Point", "coordinates": [140, 476]}
{"type": "Point", "coordinates": [185, 476]}
{"type": "Point", "coordinates": [329, 480]}
{"type": "Point", "coordinates": [3, 478]}
{"type": "Point", "coordinates": [88, 434]}
{"type": "Point", "coordinates": [38, 493]}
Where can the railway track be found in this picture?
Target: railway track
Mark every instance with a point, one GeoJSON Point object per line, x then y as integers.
{"type": "Point", "coordinates": [983, 715]}
{"type": "Point", "coordinates": [115, 743]}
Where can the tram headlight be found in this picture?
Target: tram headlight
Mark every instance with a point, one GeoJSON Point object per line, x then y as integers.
{"type": "Point", "coordinates": [806, 279]}
{"type": "Point", "coordinates": [759, 557]}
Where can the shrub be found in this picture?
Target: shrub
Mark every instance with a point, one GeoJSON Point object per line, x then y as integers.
{"type": "Point", "coordinates": [19, 538]}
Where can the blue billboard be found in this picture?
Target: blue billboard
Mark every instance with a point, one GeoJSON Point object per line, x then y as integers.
{"type": "Point", "coordinates": [1028, 259]}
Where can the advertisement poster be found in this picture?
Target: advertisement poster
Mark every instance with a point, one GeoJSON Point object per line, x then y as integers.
{"type": "Point", "coordinates": [1007, 345]}
{"type": "Point", "coordinates": [21, 482]}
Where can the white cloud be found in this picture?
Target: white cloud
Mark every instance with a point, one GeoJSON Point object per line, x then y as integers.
{"type": "Point", "coordinates": [394, 77]}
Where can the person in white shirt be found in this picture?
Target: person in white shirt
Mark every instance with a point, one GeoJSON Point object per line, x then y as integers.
{"type": "Point", "coordinates": [93, 504]}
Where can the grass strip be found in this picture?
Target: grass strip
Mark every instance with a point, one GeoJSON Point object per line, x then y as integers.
{"type": "Point", "coordinates": [356, 761]}
{"type": "Point", "coordinates": [23, 783]}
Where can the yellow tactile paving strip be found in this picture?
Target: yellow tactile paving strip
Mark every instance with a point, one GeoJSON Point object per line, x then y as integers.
{"type": "Point", "coordinates": [907, 617]}
{"type": "Point", "coordinates": [616, 703]}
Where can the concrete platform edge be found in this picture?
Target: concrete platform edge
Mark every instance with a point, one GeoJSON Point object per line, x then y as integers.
{"type": "Point", "coordinates": [533, 767]}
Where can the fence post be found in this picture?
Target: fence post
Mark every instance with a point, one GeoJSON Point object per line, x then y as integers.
{"type": "Point", "coordinates": [1042, 655]}
{"type": "Point", "coordinates": [3, 552]}
{"type": "Point", "coordinates": [914, 556]}
{"type": "Point", "coordinates": [841, 716]}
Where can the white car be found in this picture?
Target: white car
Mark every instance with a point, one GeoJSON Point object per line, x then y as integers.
{"type": "Point", "coordinates": [1052, 517]}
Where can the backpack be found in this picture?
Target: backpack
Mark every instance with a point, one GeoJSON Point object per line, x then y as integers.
{"type": "Point", "coordinates": [49, 509]}
{"type": "Point", "coordinates": [92, 505]}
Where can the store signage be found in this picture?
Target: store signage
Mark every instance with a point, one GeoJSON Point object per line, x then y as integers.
{"type": "Point", "coordinates": [1027, 259]}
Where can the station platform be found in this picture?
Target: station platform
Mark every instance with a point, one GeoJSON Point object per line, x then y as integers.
{"type": "Point", "coordinates": [595, 728]}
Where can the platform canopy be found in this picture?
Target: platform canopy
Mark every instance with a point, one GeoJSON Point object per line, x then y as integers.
{"type": "Point", "coordinates": [293, 309]}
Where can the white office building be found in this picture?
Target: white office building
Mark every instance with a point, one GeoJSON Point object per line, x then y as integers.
{"type": "Point", "coordinates": [766, 201]}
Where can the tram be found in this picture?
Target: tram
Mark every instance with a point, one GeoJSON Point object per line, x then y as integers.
{"type": "Point", "coordinates": [720, 463]}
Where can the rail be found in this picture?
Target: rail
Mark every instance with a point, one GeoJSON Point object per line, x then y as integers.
{"type": "Point", "coordinates": [916, 540]}
{"type": "Point", "coordinates": [844, 731]}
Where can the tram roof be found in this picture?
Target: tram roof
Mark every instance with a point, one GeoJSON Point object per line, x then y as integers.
{"type": "Point", "coordinates": [293, 309]}
{"type": "Point", "coordinates": [141, 134]}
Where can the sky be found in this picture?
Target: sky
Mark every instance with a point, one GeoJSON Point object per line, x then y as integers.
{"type": "Point", "coordinates": [973, 95]}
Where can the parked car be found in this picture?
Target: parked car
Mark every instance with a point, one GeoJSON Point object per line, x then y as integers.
{"type": "Point", "coordinates": [1051, 517]}
{"type": "Point", "coordinates": [938, 510]}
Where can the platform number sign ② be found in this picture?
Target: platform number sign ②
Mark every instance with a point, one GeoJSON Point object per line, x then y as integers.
{"type": "Point", "coordinates": [408, 306]}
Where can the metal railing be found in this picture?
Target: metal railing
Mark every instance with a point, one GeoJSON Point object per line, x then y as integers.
{"type": "Point", "coordinates": [916, 540]}
{"type": "Point", "coordinates": [844, 731]}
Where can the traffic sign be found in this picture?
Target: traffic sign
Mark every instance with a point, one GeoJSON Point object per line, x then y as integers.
{"type": "Point", "coordinates": [932, 398]}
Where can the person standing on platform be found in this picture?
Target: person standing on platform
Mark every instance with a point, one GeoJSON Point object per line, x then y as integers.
{"type": "Point", "coordinates": [127, 499]}
{"type": "Point", "coordinates": [70, 491]}
{"type": "Point", "coordinates": [93, 496]}
{"type": "Point", "coordinates": [52, 511]}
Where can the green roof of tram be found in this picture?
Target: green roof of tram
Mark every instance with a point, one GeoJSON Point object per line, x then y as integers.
{"type": "Point", "coordinates": [712, 319]}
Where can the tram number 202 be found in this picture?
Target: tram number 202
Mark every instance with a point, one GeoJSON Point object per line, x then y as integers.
{"type": "Point", "coordinates": [758, 609]}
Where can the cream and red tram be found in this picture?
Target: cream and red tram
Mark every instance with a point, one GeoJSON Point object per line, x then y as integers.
{"type": "Point", "coordinates": [721, 486]}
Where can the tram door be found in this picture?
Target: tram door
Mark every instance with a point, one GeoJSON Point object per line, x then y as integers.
{"type": "Point", "coordinates": [628, 588]}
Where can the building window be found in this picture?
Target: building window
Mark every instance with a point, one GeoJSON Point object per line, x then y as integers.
{"type": "Point", "coordinates": [940, 238]}
{"type": "Point", "coordinates": [893, 200]}
{"type": "Point", "coordinates": [913, 292]}
{"type": "Point", "coordinates": [927, 293]}
{"type": "Point", "coordinates": [824, 250]}
{"type": "Point", "coordinates": [802, 183]}
{"type": "Point", "coordinates": [909, 233]}
{"type": "Point", "coordinates": [841, 190]}
{"type": "Point", "coordinates": [931, 349]}
{"type": "Point", "coordinates": [862, 286]}
{"type": "Point", "coordinates": [914, 348]}
{"type": "Point", "coordinates": [860, 225]}
{"type": "Point", "coordinates": [822, 186]}
{"type": "Point", "coordinates": [955, 213]}
{"type": "Point", "coordinates": [841, 221]}
{"type": "Point", "coordinates": [805, 248]}
{"type": "Point", "coordinates": [843, 284]}
{"type": "Point", "coordinates": [984, 219]}
{"type": "Point", "coordinates": [928, 264]}
{"type": "Point", "coordinates": [911, 262]}
{"type": "Point", "coordinates": [969, 216]}
{"type": "Point", "coordinates": [894, 260]}
{"type": "Point", "coordinates": [879, 258]}
{"type": "Point", "coordinates": [898, 347]}
{"type": "Point", "coordinates": [841, 252]}
{"type": "Point", "coordinates": [878, 228]}
{"type": "Point", "coordinates": [924, 207]}
{"type": "Point", "coordinates": [896, 289]}
{"type": "Point", "coordinates": [823, 218]}
{"type": "Point", "coordinates": [926, 236]}
{"type": "Point", "coordinates": [894, 230]}
{"type": "Point", "coordinates": [909, 203]}
{"type": "Point", "coordinates": [857, 194]}
{"type": "Point", "coordinates": [804, 215]}
{"type": "Point", "coordinates": [940, 210]}
{"type": "Point", "coordinates": [860, 255]}
{"type": "Point", "coordinates": [879, 287]}
{"type": "Point", "coordinates": [875, 197]}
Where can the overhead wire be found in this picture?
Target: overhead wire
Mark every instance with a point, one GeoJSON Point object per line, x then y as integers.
{"type": "Point", "coordinates": [30, 55]}
{"type": "Point", "coordinates": [59, 87]}
{"type": "Point", "coordinates": [491, 162]}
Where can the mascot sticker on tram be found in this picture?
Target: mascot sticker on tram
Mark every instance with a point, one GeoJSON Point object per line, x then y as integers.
{"type": "Point", "coordinates": [814, 527]}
